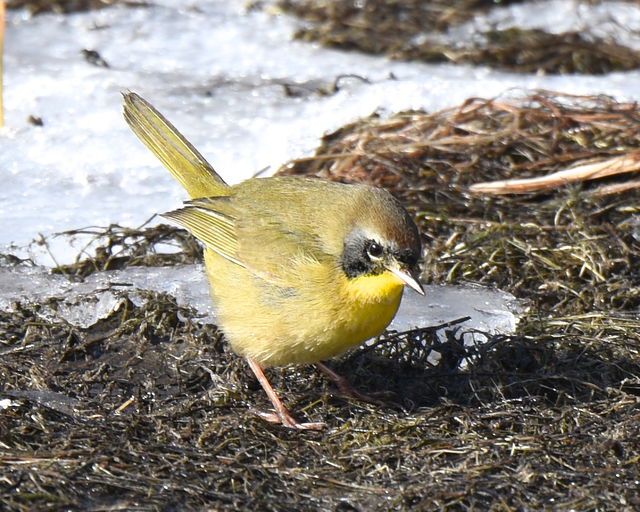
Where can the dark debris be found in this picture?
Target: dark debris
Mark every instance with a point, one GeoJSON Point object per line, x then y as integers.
{"type": "Point", "coordinates": [404, 30]}
{"type": "Point", "coordinates": [117, 247]}
{"type": "Point", "coordinates": [544, 416]}
{"type": "Point", "coordinates": [157, 415]}
{"type": "Point", "coordinates": [69, 6]}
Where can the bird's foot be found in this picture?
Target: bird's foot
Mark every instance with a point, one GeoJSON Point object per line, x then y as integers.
{"type": "Point", "coordinates": [346, 389]}
{"type": "Point", "coordinates": [282, 414]}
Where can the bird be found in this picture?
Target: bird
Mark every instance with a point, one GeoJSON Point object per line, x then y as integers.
{"type": "Point", "coordinates": [300, 269]}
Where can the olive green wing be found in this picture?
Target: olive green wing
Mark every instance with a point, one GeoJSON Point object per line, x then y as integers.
{"type": "Point", "coordinates": [253, 239]}
{"type": "Point", "coordinates": [213, 222]}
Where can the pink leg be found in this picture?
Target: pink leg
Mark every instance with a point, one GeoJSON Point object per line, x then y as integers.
{"type": "Point", "coordinates": [346, 388]}
{"type": "Point", "coordinates": [282, 413]}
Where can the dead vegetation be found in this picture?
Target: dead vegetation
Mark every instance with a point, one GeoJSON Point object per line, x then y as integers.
{"type": "Point", "coordinates": [68, 6]}
{"type": "Point", "coordinates": [413, 30]}
{"type": "Point", "coordinates": [148, 410]}
{"type": "Point", "coordinates": [117, 247]}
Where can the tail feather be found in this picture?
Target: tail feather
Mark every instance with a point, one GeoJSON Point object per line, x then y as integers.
{"type": "Point", "coordinates": [177, 154]}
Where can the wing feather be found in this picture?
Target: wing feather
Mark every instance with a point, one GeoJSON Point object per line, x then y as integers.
{"type": "Point", "coordinates": [214, 228]}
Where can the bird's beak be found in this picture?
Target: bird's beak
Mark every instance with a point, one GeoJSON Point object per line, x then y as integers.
{"type": "Point", "coordinates": [407, 277]}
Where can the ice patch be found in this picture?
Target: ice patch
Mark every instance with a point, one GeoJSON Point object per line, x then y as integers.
{"type": "Point", "coordinates": [84, 303]}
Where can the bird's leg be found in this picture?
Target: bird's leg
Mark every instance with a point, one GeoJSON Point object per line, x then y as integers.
{"type": "Point", "coordinates": [282, 413]}
{"type": "Point", "coordinates": [345, 387]}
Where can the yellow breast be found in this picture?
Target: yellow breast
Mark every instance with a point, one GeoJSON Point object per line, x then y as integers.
{"type": "Point", "coordinates": [373, 302]}
{"type": "Point", "coordinates": [320, 315]}
{"type": "Point", "coordinates": [348, 313]}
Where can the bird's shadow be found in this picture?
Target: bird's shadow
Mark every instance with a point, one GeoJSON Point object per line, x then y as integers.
{"type": "Point", "coordinates": [425, 367]}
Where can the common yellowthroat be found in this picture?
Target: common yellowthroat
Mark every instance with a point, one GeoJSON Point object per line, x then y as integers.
{"type": "Point", "coordinates": [300, 269]}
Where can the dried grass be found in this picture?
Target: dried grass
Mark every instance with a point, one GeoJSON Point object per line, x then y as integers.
{"type": "Point", "coordinates": [570, 249]}
{"type": "Point", "coordinates": [148, 410]}
{"type": "Point", "coordinates": [405, 30]}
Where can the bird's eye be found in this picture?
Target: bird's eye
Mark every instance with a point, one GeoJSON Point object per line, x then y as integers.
{"type": "Point", "coordinates": [375, 250]}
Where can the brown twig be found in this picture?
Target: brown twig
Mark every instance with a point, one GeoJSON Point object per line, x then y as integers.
{"type": "Point", "coordinates": [588, 171]}
{"type": "Point", "coordinates": [617, 188]}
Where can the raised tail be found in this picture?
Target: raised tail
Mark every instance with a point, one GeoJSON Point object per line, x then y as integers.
{"type": "Point", "coordinates": [177, 154]}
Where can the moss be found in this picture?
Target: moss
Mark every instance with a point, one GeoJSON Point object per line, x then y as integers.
{"type": "Point", "coordinates": [405, 30]}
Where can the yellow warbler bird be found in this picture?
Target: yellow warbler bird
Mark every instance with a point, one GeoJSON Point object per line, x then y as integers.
{"type": "Point", "coordinates": [300, 269]}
